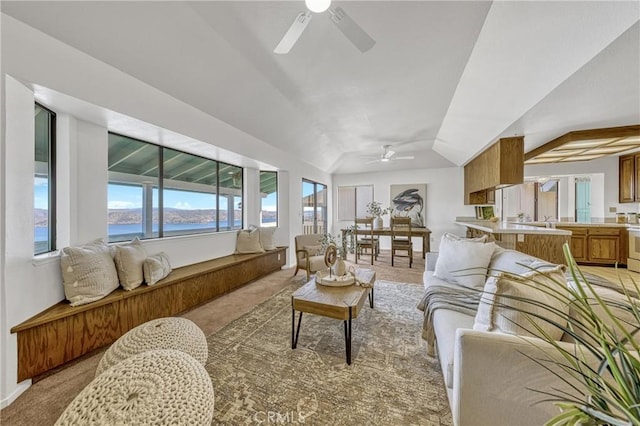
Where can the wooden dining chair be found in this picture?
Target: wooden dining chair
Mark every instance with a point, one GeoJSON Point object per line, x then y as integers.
{"type": "Point", "coordinates": [401, 238]}
{"type": "Point", "coordinates": [364, 237]}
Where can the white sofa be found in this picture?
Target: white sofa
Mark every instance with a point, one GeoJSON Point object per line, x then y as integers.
{"type": "Point", "coordinates": [488, 375]}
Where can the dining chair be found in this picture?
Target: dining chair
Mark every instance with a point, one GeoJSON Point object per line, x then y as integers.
{"type": "Point", "coordinates": [364, 237]}
{"type": "Point", "coordinates": [401, 238]}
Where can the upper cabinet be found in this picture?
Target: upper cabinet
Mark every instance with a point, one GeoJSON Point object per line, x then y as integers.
{"type": "Point", "coordinates": [500, 165]}
{"type": "Point", "coordinates": [629, 178]}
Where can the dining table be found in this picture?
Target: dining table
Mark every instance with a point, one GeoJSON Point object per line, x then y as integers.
{"type": "Point", "coordinates": [421, 232]}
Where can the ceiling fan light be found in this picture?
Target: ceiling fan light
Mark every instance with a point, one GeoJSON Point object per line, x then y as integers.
{"type": "Point", "coordinates": [384, 159]}
{"type": "Point", "coordinates": [317, 6]}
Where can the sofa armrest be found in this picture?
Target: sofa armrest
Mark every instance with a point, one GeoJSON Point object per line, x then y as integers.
{"type": "Point", "coordinates": [495, 379]}
{"type": "Point", "coordinates": [430, 261]}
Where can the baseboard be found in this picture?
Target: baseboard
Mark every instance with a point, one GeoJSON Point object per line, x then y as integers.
{"type": "Point", "coordinates": [22, 386]}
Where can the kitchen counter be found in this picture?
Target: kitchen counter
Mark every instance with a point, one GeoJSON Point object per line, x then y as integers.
{"type": "Point", "coordinates": [511, 228]}
{"type": "Point", "coordinates": [583, 224]}
{"type": "Point", "coordinates": [544, 243]}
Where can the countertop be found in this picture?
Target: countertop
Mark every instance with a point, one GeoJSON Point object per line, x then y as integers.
{"type": "Point", "coordinates": [585, 225]}
{"type": "Point", "coordinates": [511, 228]}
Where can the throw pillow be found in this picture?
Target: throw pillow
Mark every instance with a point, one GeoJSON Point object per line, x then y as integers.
{"type": "Point", "coordinates": [463, 261]}
{"type": "Point", "coordinates": [266, 237]}
{"type": "Point", "coordinates": [156, 267]}
{"type": "Point", "coordinates": [510, 303]}
{"type": "Point", "coordinates": [315, 250]}
{"type": "Point", "coordinates": [618, 304]}
{"type": "Point", "coordinates": [249, 242]}
{"type": "Point", "coordinates": [129, 258]}
{"type": "Point", "coordinates": [88, 272]}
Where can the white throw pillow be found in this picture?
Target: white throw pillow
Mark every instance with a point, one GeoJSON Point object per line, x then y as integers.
{"type": "Point", "coordinates": [266, 237]}
{"type": "Point", "coordinates": [88, 272]}
{"type": "Point", "coordinates": [129, 258]}
{"type": "Point", "coordinates": [509, 303]}
{"type": "Point", "coordinates": [156, 267]}
{"type": "Point", "coordinates": [463, 261]}
{"type": "Point", "coordinates": [249, 242]}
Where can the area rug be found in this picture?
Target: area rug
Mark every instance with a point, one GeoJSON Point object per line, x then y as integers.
{"type": "Point", "coordinates": [259, 379]}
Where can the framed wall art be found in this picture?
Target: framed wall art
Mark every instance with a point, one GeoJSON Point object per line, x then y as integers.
{"type": "Point", "coordinates": [410, 200]}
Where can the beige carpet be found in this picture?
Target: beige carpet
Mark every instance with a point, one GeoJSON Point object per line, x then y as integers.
{"type": "Point", "coordinates": [391, 381]}
{"type": "Point", "coordinates": [47, 398]}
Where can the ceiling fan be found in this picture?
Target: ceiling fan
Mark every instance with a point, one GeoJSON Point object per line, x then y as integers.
{"type": "Point", "coordinates": [388, 155]}
{"type": "Point", "coordinates": [339, 17]}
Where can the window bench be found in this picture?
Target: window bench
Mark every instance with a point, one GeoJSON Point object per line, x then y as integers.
{"type": "Point", "coordinates": [63, 333]}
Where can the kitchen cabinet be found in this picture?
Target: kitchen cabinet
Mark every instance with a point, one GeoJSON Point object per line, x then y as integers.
{"type": "Point", "coordinates": [629, 178]}
{"type": "Point", "coordinates": [500, 165]}
{"type": "Point", "coordinates": [598, 244]}
{"type": "Point", "coordinates": [578, 243]}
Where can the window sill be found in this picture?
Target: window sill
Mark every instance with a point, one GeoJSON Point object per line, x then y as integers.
{"type": "Point", "coordinates": [46, 258]}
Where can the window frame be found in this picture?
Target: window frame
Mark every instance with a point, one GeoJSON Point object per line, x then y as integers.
{"type": "Point", "coordinates": [277, 196]}
{"type": "Point", "coordinates": [161, 187]}
{"type": "Point", "coordinates": [51, 183]}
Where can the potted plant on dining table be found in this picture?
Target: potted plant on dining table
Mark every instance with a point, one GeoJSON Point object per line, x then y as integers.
{"type": "Point", "coordinates": [375, 210]}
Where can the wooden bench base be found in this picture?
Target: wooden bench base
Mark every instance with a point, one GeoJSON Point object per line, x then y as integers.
{"type": "Point", "coordinates": [63, 333]}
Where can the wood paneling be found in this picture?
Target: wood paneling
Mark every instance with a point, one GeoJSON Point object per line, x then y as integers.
{"type": "Point", "coordinates": [584, 135]}
{"type": "Point", "coordinates": [63, 333]}
{"type": "Point", "coordinates": [499, 165]}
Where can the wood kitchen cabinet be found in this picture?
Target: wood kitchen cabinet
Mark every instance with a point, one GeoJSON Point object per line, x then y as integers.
{"type": "Point", "coordinates": [629, 178]}
{"type": "Point", "coordinates": [597, 244]}
{"type": "Point", "coordinates": [578, 243]}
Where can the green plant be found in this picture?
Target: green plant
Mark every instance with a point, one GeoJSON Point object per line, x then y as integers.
{"type": "Point", "coordinates": [608, 394]}
{"type": "Point", "coordinates": [330, 239]}
{"type": "Point", "coordinates": [374, 209]}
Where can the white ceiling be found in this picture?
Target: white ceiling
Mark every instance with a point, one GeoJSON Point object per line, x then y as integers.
{"type": "Point", "coordinates": [443, 81]}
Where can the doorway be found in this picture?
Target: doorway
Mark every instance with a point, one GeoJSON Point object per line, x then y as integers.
{"type": "Point", "coordinates": [583, 200]}
{"type": "Point", "coordinates": [314, 207]}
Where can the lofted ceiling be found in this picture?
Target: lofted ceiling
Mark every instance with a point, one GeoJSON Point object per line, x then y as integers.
{"type": "Point", "coordinates": [444, 80]}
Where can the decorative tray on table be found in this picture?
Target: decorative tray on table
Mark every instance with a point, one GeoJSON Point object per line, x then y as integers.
{"type": "Point", "coordinates": [333, 280]}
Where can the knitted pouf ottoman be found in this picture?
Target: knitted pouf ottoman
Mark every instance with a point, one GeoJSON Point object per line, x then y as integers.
{"type": "Point", "coordinates": [162, 333]}
{"type": "Point", "coordinates": [159, 387]}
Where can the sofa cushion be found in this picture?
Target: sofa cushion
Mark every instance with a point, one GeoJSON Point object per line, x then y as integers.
{"type": "Point", "coordinates": [88, 272]}
{"type": "Point", "coordinates": [129, 258]}
{"type": "Point", "coordinates": [445, 323]}
{"type": "Point", "coordinates": [156, 267]}
{"type": "Point", "coordinates": [463, 261]}
{"type": "Point", "coordinates": [616, 303]}
{"type": "Point", "coordinates": [506, 303]}
{"type": "Point", "coordinates": [512, 261]}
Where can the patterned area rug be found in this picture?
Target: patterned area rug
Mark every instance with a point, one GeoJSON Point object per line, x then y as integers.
{"type": "Point", "coordinates": [258, 378]}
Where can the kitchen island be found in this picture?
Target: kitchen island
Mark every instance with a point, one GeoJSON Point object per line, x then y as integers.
{"type": "Point", "coordinates": [544, 243]}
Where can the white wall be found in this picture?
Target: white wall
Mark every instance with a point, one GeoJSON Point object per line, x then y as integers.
{"type": "Point", "coordinates": [445, 199]}
{"type": "Point", "coordinates": [32, 60]}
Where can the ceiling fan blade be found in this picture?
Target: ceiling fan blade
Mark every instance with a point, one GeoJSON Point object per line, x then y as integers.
{"type": "Point", "coordinates": [373, 161]}
{"type": "Point", "coordinates": [351, 30]}
{"type": "Point", "coordinates": [388, 154]}
{"type": "Point", "coordinates": [293, 33]}
{"type": "Point", "coordinates": [406, 157]}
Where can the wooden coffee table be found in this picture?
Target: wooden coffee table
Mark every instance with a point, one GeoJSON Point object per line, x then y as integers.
{"type": "Point", "coordinates": [342, 303]}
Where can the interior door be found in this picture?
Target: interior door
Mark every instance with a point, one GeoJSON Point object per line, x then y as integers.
{"type": "Point", "coordinates": [583, 200]}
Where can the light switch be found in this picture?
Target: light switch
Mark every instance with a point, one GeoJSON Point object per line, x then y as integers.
{"type": "Point", "coordinates": [521, 238]}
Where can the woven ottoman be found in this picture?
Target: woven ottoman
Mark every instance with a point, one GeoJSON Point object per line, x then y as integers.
{"type": "Point", "coordinates": [159, 387]}
{"type": "Point", "coordinates": [162, 333]}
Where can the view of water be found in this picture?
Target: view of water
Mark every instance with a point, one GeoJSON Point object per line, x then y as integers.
{"type": "Point", "coordinates": [133, 229]}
